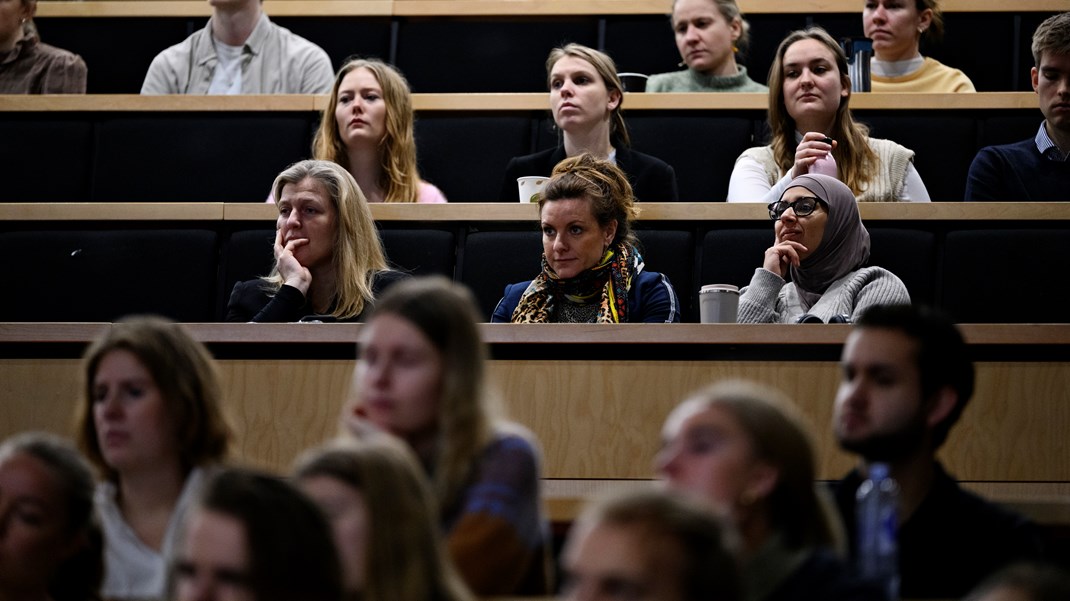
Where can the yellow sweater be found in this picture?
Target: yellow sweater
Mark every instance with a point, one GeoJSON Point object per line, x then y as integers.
{"type": "Point", "coordinates": [932, 77]}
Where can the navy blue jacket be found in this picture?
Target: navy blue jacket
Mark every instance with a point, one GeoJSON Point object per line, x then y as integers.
{"type": "Point", "coordinates": [650, 300]}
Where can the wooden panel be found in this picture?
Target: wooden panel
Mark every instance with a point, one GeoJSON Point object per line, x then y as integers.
{"type": "Point", "coordinates": [535, 101]}
{"type": "Point", "coordinates": [595, 419]}
{"type": "Point", "coordinates": [1045, 503]}
{"type": "Point", "coordinates": [182, 8]}
{"type": "Point", "coordinates": [653, 336]}
{"type": "Point", "coordinates": [170, 103]}
{"type": "Point", "coordinates": [279, 408]}
{"type": "Point", "coordinates": [117, 211]}
{"type": "Point", "coordinates": [504, 212]}
{"type": "Point", "coordinates": [199, 8]}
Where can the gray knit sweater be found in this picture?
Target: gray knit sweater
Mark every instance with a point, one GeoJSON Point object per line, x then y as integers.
{"type": "Point", "coordinates": [770, 299]}
{"type": "Point", "coordinates": [690, 80]}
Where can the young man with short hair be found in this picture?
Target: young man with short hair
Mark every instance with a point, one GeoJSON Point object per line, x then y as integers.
{"type": "Point", "coordinates": [906, 380]}
{"type": "Point", "coordinates": [1037, 169]}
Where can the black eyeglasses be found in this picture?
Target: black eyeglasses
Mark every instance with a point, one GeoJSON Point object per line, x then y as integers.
{"type": "Point", "coordinates": [802, 206]}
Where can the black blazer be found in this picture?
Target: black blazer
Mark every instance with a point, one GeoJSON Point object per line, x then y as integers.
{"type": "Point", "coordinates": [250, 301]}
{"type": "Point", "coordinates": [652, 179]}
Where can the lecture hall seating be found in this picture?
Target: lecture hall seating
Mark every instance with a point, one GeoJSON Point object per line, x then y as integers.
{"type": "Point", "coordinates": [228, 149]}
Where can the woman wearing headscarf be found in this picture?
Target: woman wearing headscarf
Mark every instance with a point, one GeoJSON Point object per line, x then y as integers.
{"type": "Point", "coordinates": [822, 247]}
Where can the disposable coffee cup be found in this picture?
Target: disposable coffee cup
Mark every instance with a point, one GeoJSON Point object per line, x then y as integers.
{"type": "Point", "coordinates": [718, 303]}
{"type": "Point", "coordinates": [530, 186]}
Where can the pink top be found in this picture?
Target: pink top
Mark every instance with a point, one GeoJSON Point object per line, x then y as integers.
{"type": "Point", "coordinates": [425, 194]}
{"type": "Point", "coordinates": [429, 194]}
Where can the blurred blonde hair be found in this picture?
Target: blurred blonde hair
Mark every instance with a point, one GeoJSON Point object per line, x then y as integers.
{"type": "Point", "coordinates": [780, 436]}
{"type": "Point", "coordinates": [188, 380]}
{"type": "Point", "coordinates": [445, 313]}
{"type": "Point", "coordinates": [406, 559]}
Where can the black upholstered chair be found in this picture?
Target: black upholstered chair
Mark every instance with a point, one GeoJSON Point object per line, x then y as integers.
{"type": "Point", "coordinates": [730, 256]}
{"type": "Point", "coordinates": [672, 253]}
{"type": "Point", "coordinates": [420, 251]}
{"type": "Point", "coordinates": [212, 158]}
{"type": "Point", "coordinates": [46, 157]}
{"type": "Point", "coordinates": [1006, 129]}
{"type": "Point", "coordinates": [1004, 276]}
{"type": "Point", "coordinates": [249, 254]}
{"type": "Point", "coordinates": [491, 260]}
{"type": "Point", "coordinates": [105, 274]}
{"type": "Point", "coordinates": [701, 148]}
{"type": "Point", "coordinates": [465, 156]}
{"type": "Point", "coordinates": [909, 254]}
{"type": "Point", "coordinates": [943, 148]}
{"type": "Point", "coordinates": [484, 55]}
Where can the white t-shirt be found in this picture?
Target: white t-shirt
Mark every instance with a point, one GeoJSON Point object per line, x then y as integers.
{"type": "Point", "coordinates": [227, 76]}
{"type": "Point", "coordinates": [133, 570]}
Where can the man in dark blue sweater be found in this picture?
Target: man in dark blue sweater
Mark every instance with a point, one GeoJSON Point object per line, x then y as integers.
{"type": "Point", "coordinates": [907, 377]}
{"type": "Point", "coordinates": [1037, 169]}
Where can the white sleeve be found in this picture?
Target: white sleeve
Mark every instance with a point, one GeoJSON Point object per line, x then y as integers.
{"type": "Point", "coordinates": [913, 188]}
{"type": "Point", "coordinates": [749, 183]}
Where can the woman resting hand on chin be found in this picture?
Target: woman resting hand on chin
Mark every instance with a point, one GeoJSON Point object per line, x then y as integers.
{"type": "Point", "coordinates": [822, 247]}
{"type": "Point", "coordinates": [329, 261]}
{"type": "Point", "coordinates": [809, 120]}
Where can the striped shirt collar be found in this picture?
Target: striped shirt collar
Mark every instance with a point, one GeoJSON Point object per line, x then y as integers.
{"type": "Point", "coordinates": [1047, 147]}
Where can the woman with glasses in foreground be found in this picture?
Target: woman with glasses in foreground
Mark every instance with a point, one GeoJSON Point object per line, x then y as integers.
{"type": "Point", "coordinates": [821, 247]}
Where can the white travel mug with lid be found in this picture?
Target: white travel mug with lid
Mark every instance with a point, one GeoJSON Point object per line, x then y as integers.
{"type": "Point", "coordinates": [718, 303]}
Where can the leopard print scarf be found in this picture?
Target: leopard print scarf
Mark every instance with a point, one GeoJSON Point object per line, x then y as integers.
{"type": "Point", "coordinates": [610, 280]}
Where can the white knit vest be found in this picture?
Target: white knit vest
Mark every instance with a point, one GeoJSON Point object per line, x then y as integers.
{"type": "Point", "coordinates": [886, 186]}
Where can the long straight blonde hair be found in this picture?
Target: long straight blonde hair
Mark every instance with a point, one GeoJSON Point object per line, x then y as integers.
{"type": "Point", "coordinates": [406, 558]}
{"type": "Point", "coordinates": [445, 313]}
{"type": "Point", "coordinates": [399, 179]}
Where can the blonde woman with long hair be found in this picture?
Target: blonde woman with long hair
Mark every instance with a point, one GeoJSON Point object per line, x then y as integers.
{"type": "Point", "coordinates": [368, 129]}
{"type": "Point", "coordinates": [383, 516]}
{"type": "Point", "coordinates": [329, 260]}
{"type": "Point", "coordinates": [810, 119]}
{"type": "Point", "coordinates": [421, 377]}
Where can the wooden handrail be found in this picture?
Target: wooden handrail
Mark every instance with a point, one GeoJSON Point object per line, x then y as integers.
{"type": "Point", "coordinates": [446, 8]}
{"type": "Point", "coordinates": [523, 213]}
{"type": "Point", "coordinates": [535, 101]}
{"type": "Point", "coordinates": [549, 334]}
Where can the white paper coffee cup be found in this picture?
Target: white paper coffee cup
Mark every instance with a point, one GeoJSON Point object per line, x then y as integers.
{"type": "Point", "coordinates": [529, 187]}
{"type": "Point", "coordinates": [718, 303]}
